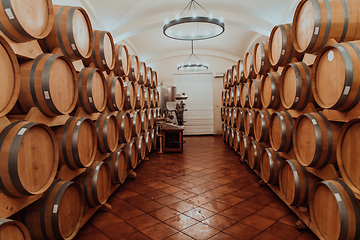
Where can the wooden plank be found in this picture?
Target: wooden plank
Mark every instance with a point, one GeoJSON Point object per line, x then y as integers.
{"type": "Point", "coordinates": [10, 206]}
{"type": "Point", "coordinates": [67, 174]}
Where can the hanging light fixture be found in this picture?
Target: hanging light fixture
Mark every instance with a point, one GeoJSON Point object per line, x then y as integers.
{"type": "Point", "coordinates": [193, 27]}
{"type": "Point", "coordinates": [197, 65]}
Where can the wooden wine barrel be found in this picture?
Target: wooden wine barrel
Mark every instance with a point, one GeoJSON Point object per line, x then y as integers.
{"type": "Point", "coordinates": [155, 80]}
{"type": "Point", "coordinates": [71, 32]}
{"type": "Point", "coordinates": [347, 155]}
{"type": "Point", "coordinates": [129, 95]}
{"type": "Point", "coordinates": [343, 220]}
{"type": "Point", "coordinates": [115, 93]}
{"type": "Point", "coordinates": [140, 146]}
{"type": "Point", "coordinates": [244, 146]}
{"type": "Point", "coordinates": [107, 130]}
{"type": "Point", "coordinates": [227, 132]}
{"type": "Point", "coordinates": [124, 123]}
{"type": "Point", "coordinates": [255, 93]}
{"type": "Point", "coordinates": [244, 97]}
{"type": "Point", "coordinates": [131, 156]}
{"type": "Point", "coordinates": [134, 63]}
{"type": "Point", "coordinates": [59, 213]}
{"type": "Point", "coordinates": [149, 77]}
{"type": "Point", "coordinates": [223, 129]}
{"type": "Point", "coordinates": [144, 120]}
{"type": "Point", "coordinates": [135, 119]}
{"type": "Point", "coordinates": [249, 65]}
{"type": "Point", "coordinates": [223, 98]}
{"type": "Point", "coordinates": [295, 183]}
{"type": "Point", "coordinates": [315, 139]}
{"type": "Point", "coordinates": [256, 150]}
{"type": "Point", "coordinates": [121, 68]}
{"type": "Point", "coordinates": [151, 118]}
{"type": "Point", "coordinates": [281, 131]}
{"type": "Point", "coordinates": [336, 82]}
{"type": "Point", "coordinates": [154, 135]}
{"type": "Point", "coordinates": [295, 86]}
{"type": "Point", "coordinates": [229, 78]}
{"type": "Point", "coordinates": [140, 96]}
{"type": "Point", "coordinates": [143, 74]}
{"type": "Point", "coordinates": [96, 183]}
{"type": "Point", "coordinates": [148, 141]}
{"type": "Point", "coordinates": [77, 142]}
{"type": "Point", "coordinates": [117, 167]}
{"type": "Point", "coordinates": [30, 157]}
{"type": "Point", "coordinates": [281, 48]}
{"type": "Point", "coordinates": [231, 136]}
{"type": "Point", "coordinates": [270, 90]}
{"type": "Point", "coordinates": [11, 229]}
{"type": "Point", "coordinates": [229, 98]}
{"type": "Point", "coordinates": [10, 80]}
{"type": "Point", "coordinates": [236, 140]}
{"type": "Point", "coordinates": [240, 119]}
{"type": "Point", "coordinates": [316, 22]}
{"type": "Point", "coordinates": [22, 22]}
{"type": "Point", "coordinates": [233, 120]}
{"type": "Point", "coordinates": [249, 119]}
{"type": "Point", "coordinates": [92, 90]}
{"type": "Point", "coordinates": [262, 125]}
{"type": "Point", "coordinates": [224, 80]}
{"type": "Point", "coordinates": [103, 53]}
{"type": "Point", "coordinates": [234, 77]}
{"type": "Point", "coordinates": [228, 117]}
{"type": "Point", "coordinates": [261, 58]}
{"type": "Point", "coordinates": [241, 69]}
{"type": "Point", "coordinates": [270, 166]}
{"type": "Point", "coordinates": [48, 83]}
{"type": "Point", "coordinates": [157, 95]}
{"type": "Point", "coordinates": [237, 93]}
{"type": "Point", "coordinates": [147, 97]}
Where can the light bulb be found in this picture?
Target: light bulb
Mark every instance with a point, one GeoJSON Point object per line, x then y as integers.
{"type": "Point", "coordinates": [166, 21]}
{"type": "Point", "coordinates": [177, 16]}
{"type": "Point", "coordinates": [194, 14]}
{"type": "Point", "coordinates": [211, 15]}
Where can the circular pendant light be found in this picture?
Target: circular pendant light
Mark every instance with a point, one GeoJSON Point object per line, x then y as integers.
{"type": "Point", "coordinates": [193, 27]}
{"type": "Point", "coordinates": [191, 67]}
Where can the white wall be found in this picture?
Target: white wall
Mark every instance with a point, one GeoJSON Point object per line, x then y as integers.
{"type": "Point", "coordinates": [166, 68]}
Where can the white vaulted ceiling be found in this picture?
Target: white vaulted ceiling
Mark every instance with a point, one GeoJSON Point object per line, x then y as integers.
{"type": "Point", "coordinates": [138, 23]}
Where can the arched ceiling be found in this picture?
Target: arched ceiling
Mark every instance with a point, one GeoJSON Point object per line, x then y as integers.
{"type": "Point", "coordinates": [138, 23]}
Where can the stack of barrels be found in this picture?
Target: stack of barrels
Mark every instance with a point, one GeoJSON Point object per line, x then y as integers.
{"type": "Point", "coordinates": [109, 105]}
{"type": "Point", "coordinates": [279, 107]}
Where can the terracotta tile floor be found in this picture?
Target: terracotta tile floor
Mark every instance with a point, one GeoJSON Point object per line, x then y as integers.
{"type": "Point", "coordinates": [203, 193]}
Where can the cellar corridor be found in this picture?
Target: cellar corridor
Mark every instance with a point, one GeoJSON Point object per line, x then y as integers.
{"type": "Point", "coordinates": [203, 193]}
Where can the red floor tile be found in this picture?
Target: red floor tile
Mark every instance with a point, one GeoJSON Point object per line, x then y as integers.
{"type": "Point", "coordinates": [93, 236]}
{"type": "Point", "coordinates": [119, 230]}
{"type": "Point", "coordinates": [143, 221]}
{"type": "Point", "coordinates": [159, 231]}
{"type": "Point", "coordinates": [258, 222]}
{"type": "Point", "coordinates": [164, 213]}
{"type": "Point", "coordinates": [216, 206]}
{"type": "Point", "coordinates": [199, 213]}
{"type": "Point", "coordinates": [105, 219]}
{"type": "Point", "coordinates": [198, 200]}
{"type": "Point", "coordinates": [200, 231]}
{"type": "Point", "coordinates": [180, 222]}
{"type": "Point", "coordinates": [242, 231]}
{"type": "Point", "coordinates": [167, 200]}
{"type": "Point", "coordinates": [222, 236]}
{"type": "Point", "coordinates": [219, 222]}
{"type": "Point", "coordinates": [236, 213]}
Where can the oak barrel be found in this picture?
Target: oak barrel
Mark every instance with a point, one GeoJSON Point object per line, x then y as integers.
{"type": "Point", "coordinates": [249, 119]}
{"type": "Point", "coordinates": [115, 93]}
{"type": "Point", "coordinates": [144, 120]}
{"type": "Point", "coordinates": [135, 119]}
{"type": "Point", "coordinates": [149, 77]}
{"type": "Point", "coordinates": [154, 135]}
{"type": "Point", "coordinates": [58, 214]}
{"type": "Point", "coordinates": [131, 156]}
{"type": "Point", "coordinates": [103, 53]}
{"type": "Point", "coordinates": [270, 90]}
{"type": "Point", "coordinates": [121, 68]}
{"type": "Point", "coordinates": [134, 63]}
{"type": "Point", "coordinates": [234, 77]}
{"type": "Point", "coordinates": [140, 96]}
{"type": "Point", "coordinates": [29, 158]}
{"type": "Point", "coordinates": [11, 229]}
{"type": "Point", "coordinates": [249, 65]}
{"type": "Point", "coordinates": [129, 94]}
{"type": "Point", "coordinates": [151, 118]}
{"type": "Point", "coordinates": [107, 130]}
{"type": "Point", "coordinates": [281, 48]}
{"type": "Point", "coordinates": [96, 182]}
{"type": "Point", "coordinates": [343, 220]}
{"type": "Point", "coordinates": [92, 90]}
{"type": "Point", "coordinates": [231, 135]}
{"type": "Point", "coordinates": [244, 146]}
{"type": "Point", "coordinates": [148, 140]}
{"type": "Point", "coordinates": [229, 78]}
{"type": "Point", "coordinates": [295, 86]}
{"type": "Point", "coordinates": [71, 32]}
{"type": "Point", "coordinates": [255, 93]}
{"type": "Point", "coordinates": [228, 117]}
{"type": "Point", "coordinates": [143, 73]}
{"type": "Point", "coordinates": [261, 58]}
{"type": "Point", "coordinates": [223, 98]}
{"type": "Point", "coordinates": [236, 95]}
{"type": "Point", "coordinates": [233, 120]}
{"type": "Point", "coordinates": [48, 83]}
{"type": "Point", "coordinates": [270, 166]}
{"type": "Point", "coordinates": [155, 80]}
{"type": "Point", "coordinates": [281, 131]}
{"type": "Point", "coordinates": [140, 146]}
{"type": "Point", "coordinates": [240, 119]}
{"type": "Point", "coordinates": [77, 142]}
{"type": "Point", "coordinates": [147, 97]}
{"type": "Point", "coordinates": [348, 153]}
{"type": "Point", "coordinates": [295, 183]}
{"type": "Point", "coordinates": [10, 79]}
{"type": "Point", "coordinates": [262, 125]}
{"type": "Point", "coordinates": [224, 80]}
{"type": "Point", "coordinates": [256, 150]}
{"type": "Point", "coordinates": [244, 96]}
{"type": "Point", "coordinates": [117, 166]}
{"type": "Point", "coordinates": [336, 81]}
{"type": "Point", "coordinates": [315, 22]}
{"type": "Point", "coordinates": [315, 139]}
{"type": "Point", "coordinates": [241, 69]}
{"type": "Point", "coordinates": [22, 22]}
{"type": "Point", "coordinates": [236, 140]}
{"type": "Point", "coordinates": [124, 123]}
